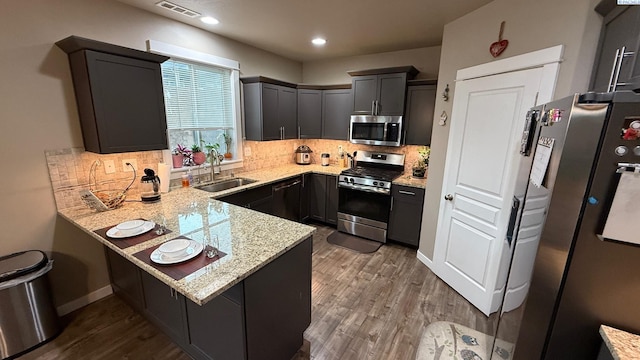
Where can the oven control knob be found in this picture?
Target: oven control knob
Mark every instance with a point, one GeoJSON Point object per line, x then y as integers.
{"type": "Point", "coordinates": [351, 180]}
{"type": "Point", "coordinates": [375, 183]}
{"type": "Point", "coordinates": [380, 183]}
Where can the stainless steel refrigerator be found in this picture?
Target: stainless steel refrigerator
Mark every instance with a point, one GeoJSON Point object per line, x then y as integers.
{"type": "Point", "coordinates": [576, 152]}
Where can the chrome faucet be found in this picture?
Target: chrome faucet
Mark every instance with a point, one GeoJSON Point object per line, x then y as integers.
{"type": "Point", "coordinates": [215, 161]}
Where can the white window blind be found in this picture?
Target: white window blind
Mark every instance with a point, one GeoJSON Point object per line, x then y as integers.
{"type": "Point", "coordinates": [197, 96]}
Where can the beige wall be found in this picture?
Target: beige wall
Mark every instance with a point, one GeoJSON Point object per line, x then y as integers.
{"type": "Point", "coordinates": [334, 71]}
{"type": "Point", "coordinates": [38, 113]}
{"type": "Point", "coordinates": [530, 26]}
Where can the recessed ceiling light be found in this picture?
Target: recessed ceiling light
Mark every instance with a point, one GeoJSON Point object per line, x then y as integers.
{"type": "Point", "coordinates": [209, 20]}
{"type": "Point", "coordinates": [319, 41]}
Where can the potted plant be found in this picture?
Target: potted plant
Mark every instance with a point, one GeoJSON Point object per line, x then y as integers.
{"type": "Point", "coordinates": [179, 155]}
{"type": "Point", "coordinates": [215, 147]}
{"type": "Point", "coordinates": [420, 166]}
{"type": "Point", "coordinates": [197, 155]}
{"type": "Point", "coordinates": [227, 142]}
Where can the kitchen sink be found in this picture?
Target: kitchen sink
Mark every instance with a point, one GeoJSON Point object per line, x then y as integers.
{"type": "Point", "coordinates": [225, 184]}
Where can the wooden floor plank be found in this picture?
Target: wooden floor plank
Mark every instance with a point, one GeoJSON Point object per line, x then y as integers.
{"type": "Point", "coordinates": [364, 306]}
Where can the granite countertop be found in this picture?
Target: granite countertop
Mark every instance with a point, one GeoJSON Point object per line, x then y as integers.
{"type": "Point", "coordinates": [266, 176]}
{"type": "Point", "coordinates": [249, 238]}
{"type": "Point", "coordinates": [622, 345]}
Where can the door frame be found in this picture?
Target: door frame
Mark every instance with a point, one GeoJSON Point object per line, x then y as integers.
{"type": "Point", "coordinates": [549, 60]}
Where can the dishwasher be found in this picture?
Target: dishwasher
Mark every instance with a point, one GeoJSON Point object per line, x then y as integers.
{"type": "Point", "coordinates": [286, 199]}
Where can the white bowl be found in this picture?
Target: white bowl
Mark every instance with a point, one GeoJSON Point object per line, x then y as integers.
{"type": "Point", "coordinates": [174, 248]}
{"type": "Point", "coordinates": [130, 225]}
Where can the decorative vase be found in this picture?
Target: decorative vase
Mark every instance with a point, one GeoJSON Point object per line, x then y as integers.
{"type": "Point", "coordinates": [178, 160]}
{"type": "Point", "coordinates": [199, 158]}
{"type": "Point", "coordinates": [228, 155]}
{"type": "Point", "coordinates": [419, 172]}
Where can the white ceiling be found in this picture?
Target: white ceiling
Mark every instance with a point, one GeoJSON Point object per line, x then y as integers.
{"type": "Point", "coordinates": [351, 27]}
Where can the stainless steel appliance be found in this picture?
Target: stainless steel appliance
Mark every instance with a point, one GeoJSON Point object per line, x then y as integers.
{"type": "Point", "coordinates": [303, 155]}
{"type": "Point", "coordinates": [376, 130]}
{"type": "Point", "coordinates": [579, 149]}
{"type": "Point", "coordinates": [364, 194]}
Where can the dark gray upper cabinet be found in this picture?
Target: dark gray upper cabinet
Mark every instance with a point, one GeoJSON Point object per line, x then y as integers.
{"type": "Point", "coordinates": [621, 30]}
{"type": "Point", "coordinates": [119, 96]}
{"type": "Point", "coordinates": [380, 91]}
{"type": "Point", "coordinates": [405, 218]}
{"type": "Point", "coordinates": [324, 111]}
{"type": "Point", "coordinates": [418, 120]}
{"type": "Point", "coordinates": [270, 108]}
{"type": "Point", "coordinates": [310, 113]}
{"type": "Point", "coordinates": [336, 112]}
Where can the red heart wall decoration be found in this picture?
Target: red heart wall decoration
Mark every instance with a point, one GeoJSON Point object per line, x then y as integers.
{"type": "Point", "coordinates": [499, 46]}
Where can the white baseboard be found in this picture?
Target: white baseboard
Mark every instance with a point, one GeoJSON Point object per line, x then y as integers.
{"type": "Point", "coordinates": [425, 260]}
{"type": "Point", "coordinates": [76, 304]}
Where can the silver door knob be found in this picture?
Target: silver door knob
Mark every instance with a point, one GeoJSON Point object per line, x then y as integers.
{"type": "Point", "coordinates": [448, 197]}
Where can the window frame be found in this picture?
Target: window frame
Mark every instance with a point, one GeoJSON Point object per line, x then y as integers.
{"type": "Point", "coordinates": [193, 56]}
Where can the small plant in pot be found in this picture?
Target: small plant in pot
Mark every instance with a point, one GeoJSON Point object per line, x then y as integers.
{"type": "Point", "coordinates": [227, 143]}
{"type": "Point", "coordinates": [197, 155]}
{"type": "Point", "coordinates": [420, 166]}
{"type": "Point", "coordinates": [181, 155]}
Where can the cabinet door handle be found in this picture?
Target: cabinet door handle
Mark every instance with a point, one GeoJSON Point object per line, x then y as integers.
{"type": "Point", "coordinates": [298, 132]}
{"type": "Point", "coordinates": [373, 107]}
{"type": "Point", "coordinates": [407, 192]}
{"type": "Point", "coordinates": [391, 204]}
{"type": "Point", "coordinates": [377, 107]}
{"type": "Point", "coordinates": [615, 70]}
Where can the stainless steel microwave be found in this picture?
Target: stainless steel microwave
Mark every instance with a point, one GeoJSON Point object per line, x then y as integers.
{"type": "Point", "coordinates": [376, 130]}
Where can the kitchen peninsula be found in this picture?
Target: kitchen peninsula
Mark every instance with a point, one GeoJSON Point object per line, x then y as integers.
{"type": "Point", "coordinates": [253, 303]}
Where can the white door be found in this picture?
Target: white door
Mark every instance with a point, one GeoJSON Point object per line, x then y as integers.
{"type": "Point", "coordinates": [479, 180]}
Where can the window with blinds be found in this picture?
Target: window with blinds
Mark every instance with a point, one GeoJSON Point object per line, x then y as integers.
{"type": "Point", "coordinates": [197, 97]}
{"type": "Point", "coordinates": [199, 106]}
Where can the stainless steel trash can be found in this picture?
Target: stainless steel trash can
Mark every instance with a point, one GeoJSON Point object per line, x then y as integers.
{"type": "Point", "coordinates": [27, 315]}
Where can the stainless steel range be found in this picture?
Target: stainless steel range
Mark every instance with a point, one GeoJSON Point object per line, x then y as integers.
{"type": "Point", "coordinates": [364, 199]}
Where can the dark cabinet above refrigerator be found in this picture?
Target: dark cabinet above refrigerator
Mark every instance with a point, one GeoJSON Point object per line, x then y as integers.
{"type": "Point", "coordinates": [617, 64]}
{"type": "Point", "coordinates": [119, 96]}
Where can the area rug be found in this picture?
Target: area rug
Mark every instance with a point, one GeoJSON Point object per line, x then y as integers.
{"type": "Point", "coordinates": [353, 242]}
{"type": "Point", "coordinates": [446, 340]}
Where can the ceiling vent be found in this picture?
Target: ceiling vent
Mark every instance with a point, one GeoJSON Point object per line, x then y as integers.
{"type": "Point", "coordinates": [177, 9]}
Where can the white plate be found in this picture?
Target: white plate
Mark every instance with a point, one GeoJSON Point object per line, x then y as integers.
{"type": "Point", "coordinates": [130, 225]}
{"type": "Point", "coordinates": [116, 233]}
{"type": "Point", "coordinates": [192, 251]}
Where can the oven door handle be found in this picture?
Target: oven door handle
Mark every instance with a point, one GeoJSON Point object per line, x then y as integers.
{"type": "Point", "coordinates": [364, 188]}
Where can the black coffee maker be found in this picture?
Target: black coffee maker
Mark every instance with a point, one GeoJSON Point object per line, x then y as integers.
{"type": "Point", "coordinates": [150, 185]}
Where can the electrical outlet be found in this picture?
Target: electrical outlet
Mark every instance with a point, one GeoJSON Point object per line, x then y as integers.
{"type": "Point", "coordinates": [247, 151]}
{"type": "Point", "coordinates": [109, 167]}
{"type": "Point", "coordinates": [127, 168]}
{"type": "Point", "coordinates": [339, 149]}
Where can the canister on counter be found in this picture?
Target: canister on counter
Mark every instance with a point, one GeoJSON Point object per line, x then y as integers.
{"type": "Point", "coordinates": [325, 159]}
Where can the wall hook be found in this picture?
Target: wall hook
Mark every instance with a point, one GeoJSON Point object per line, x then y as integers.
{"type": "Point", "coordinates": [445, 93]}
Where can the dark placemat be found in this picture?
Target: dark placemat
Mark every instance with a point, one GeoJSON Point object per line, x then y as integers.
{"type": "Point", "coordinates": [130, 241]}
{"type": "Point", "coordinates": [182, 269]}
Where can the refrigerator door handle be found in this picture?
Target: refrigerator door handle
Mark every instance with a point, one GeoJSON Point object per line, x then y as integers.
{"type": "Point", "coordinates": [515, 206]}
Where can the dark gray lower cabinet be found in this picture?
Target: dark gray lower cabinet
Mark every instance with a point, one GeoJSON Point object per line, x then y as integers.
{"type": "Point", "coordinates": [125, 279]}
{"type": "Point", "coordinates": [259, 199]}
{"type": "Point", "coordinates": [323, 198]}
{"type": "Point", "coordinates": [262, 317]}
{"type": "Point", "coordinates": [405, 217]}
{"type": "Point", "coordinates": [164, 307]}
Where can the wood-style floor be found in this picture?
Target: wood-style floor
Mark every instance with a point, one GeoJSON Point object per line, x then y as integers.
{"type": "Point", "coordinates": [364, 306]}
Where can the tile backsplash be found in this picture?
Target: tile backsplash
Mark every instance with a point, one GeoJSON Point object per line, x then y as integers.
{"type": "Point", "coordinates": [69, 169]}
